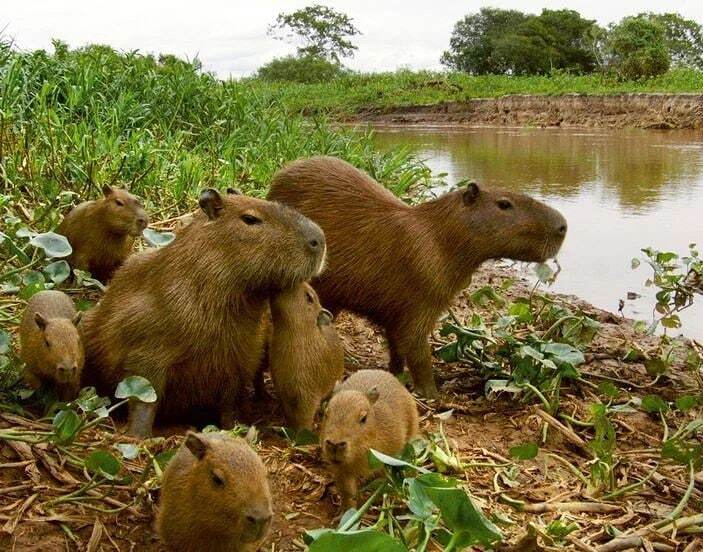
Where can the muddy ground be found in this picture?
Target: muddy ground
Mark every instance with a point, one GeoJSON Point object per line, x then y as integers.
{"type": "Point", "coordinates": [480, 431]}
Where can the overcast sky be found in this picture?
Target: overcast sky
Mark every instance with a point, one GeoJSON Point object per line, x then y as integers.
{"type": "Point", "coordinates": [229, 37]}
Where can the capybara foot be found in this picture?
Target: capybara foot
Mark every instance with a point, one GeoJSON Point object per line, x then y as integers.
{"type": "Point", "coordinates": [427, 390]}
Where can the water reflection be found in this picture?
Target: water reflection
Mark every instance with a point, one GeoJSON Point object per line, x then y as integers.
{"type": "Point", "coordinates": [621, 190]}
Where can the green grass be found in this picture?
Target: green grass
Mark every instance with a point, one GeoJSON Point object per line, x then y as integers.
{"type": "Point", "coordinates": [351, 92]}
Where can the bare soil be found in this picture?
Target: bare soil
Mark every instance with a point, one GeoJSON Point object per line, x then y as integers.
{"type": "Point", "coordinates": [120, 517]}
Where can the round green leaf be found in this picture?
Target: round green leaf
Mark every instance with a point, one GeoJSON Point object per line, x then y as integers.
{"type": "Point", "coordinates": [136, 387]}
{"type": "Point", "coordinates": [526, 451]}
{"type": "Point", "coordinates": [544, 272]}
{"type": "Point", "coordinates": [158, 239]}
{"type": "Point", "coordinates": [66, 424]}
{"type": "Point", "coordinates": [357, 541]}
{"type": "Point", "coordinates": [654, 403]}
{"type": "Point", "coordinates": [103, 463]}
{"type": "Point", "coordinates": [686, 403]}
{"type": "Point", "coordinates": [54, 245]}
{"type": "Point", "coordinates": [129, 451]}
{"type": "Point", "coordinates": [58, 271]}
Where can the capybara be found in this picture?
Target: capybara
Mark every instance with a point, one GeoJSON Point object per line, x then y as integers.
{"type": "Point", "coordinates": [401, 265]}
{"type": "Point", "coordinates": [191, 316]}
{"type": "Point", "coordinates": [214, 496]}
{"type": "Point", "coordinates": [370, 410]}
{"type": "Point", "coordinates": [102, 232]}
{"type": "Point", "coordinates": [306, 357]}
{"type": "Point", "coordinates": [50, 344]}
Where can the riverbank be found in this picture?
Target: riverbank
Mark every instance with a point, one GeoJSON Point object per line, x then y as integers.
{"type": "Point", "coordinates": [654, 111]}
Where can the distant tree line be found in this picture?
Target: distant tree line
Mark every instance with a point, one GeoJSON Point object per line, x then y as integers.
{"type": "Point", "coordinates": [496, 41]}
{"type": "Point", "coordinates": [505, 42]}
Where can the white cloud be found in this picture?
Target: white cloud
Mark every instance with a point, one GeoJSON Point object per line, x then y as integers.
{"type": "Point", "coordinates": [229, 37]}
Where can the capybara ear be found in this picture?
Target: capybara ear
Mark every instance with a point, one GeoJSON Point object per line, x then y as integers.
{"type": "Point", "coordinates": [252, 435]}
{"type": "Point", "coordinates": [77, 318]}
{"type": "Point", "coordinates": [233, 191]}
{"type": "Point", "coordinates": [211, 203]}
{"type": "Point", "coordinates": [324, 318]}
{"type": "Point", "coordinates": [471, 193]}
{"type": "Point", "coordinates": [372, 394]}
{"type": "Point", "coordinates": [107, 190]}
{"type": "Point", "coordinates": [337, 387]}
{"type": "Point", "coordinates": [196, 445]}
{"type": "Point", "coordinates": [40, 320]}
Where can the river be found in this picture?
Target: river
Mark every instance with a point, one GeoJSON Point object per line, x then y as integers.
{"type": "Point", "coordinates": [620, 190]}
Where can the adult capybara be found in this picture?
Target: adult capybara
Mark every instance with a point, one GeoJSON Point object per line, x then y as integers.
{"type": "Point", "coordinates": [191, 316]}
{"type": "Point", "coordinates": [306, 357]}
{"type": "Point", "coordinates": [51, 346]}
{"type": "Point", "coordinates": [370, 410]}
{"type": "Point", "coordinates": [402, 265]}
{"type": "Point", "coordinates": [214, 497]}
{"type": "Point", "coordinates": [102, 232]}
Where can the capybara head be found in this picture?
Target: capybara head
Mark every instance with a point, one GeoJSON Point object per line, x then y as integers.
{"type": "Point", "coordinates": [300, 304]}
{"type": "Point", "coordinates": [348, 427]}
{"type": "Point", "coordinates": [122, 212]}
{"type": "Point", "coordinates": [62, 348]}
{"type": "Point", "coordinates": [278, 246]}
{"type": "Point", "coordinates": [514, 225]}
{"type": "Point", "coordinates": [228, 481]}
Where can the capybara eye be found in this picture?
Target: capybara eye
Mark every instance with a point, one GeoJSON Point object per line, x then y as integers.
{"type": "Point", "coordinates": [504, 204]}
{"type": "Point", "coordinates": [309, 297]}
{"type": "Point", "coordinates": [251, 219]}
{"type": "Point", "coordinates": [47, 342]}
{"type": "Point", "coordinates": [217, 480]}
{"type": "Point", "coordinates": [119, 203]}
{"type": "Point", "coordinates": [362, 420]}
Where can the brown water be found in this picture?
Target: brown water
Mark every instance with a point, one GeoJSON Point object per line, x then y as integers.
{"type": "Point", "coordinates": [620, 190]}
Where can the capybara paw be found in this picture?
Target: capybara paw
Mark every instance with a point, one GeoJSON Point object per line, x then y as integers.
{"type": "Point", "coordinates": [428, 391]}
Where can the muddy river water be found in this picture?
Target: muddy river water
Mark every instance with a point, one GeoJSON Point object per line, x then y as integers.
{"type": "Point", "coordinates": [620, 190]}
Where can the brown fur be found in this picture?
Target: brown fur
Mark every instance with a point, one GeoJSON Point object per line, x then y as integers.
{"type": "Point", "coordinates": [370, 410]}
{"type": "Point", "coordinates": [51, 347]}
{"type": "Point", "coordinates": [400, 265]}
{"type": "Point", "coordinates": [102, 232]}
{"type": "Point", "coordinates": [215, 496]}
{"type": "Point", "coordinates": [306, 357]}
{"type": "Point", "coordinates": [190, 317]}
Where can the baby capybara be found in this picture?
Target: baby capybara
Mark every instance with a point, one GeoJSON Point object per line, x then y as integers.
{"type": "Point", "coordinates": [401, 265]}
{"type": "Point", "coordinates": [306, 357]}
{"type": "Point", "coordinates": [51, 346]}
{"type": "Point", "coordinates": [370, 410]}
{"type": "Point", "coordinates": [215, 496]}
{"type": "Point", "coordinates": [102, 232]}
{"type": "Point", "coordinates": [191, 316]}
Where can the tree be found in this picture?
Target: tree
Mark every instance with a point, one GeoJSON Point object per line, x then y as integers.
{"type": "Point", "coordinates": [304, 69]}
{"type": "Point", "coordinates": [684, 39]}
{"type": "Point", "coordinates": [324, 32]}
{"type": "Point", "coordinates": [473, 41]}
{"type": "Point", "coordinates": [637, 48]}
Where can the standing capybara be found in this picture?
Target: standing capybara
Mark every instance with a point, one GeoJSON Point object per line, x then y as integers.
{"type": "Point", "coordinates": [191, 316]}
{"type": "Point", "coordinates": [402, 265]}
{"type": "Point", "coordinates": [370, 410]}
{"type": "Point", "coordinates": [51, 346]}
{"type": "Point", "coordinates": [214, 496]}
{"type": "Point", "coordinates": [306, 357]}
{"type": "Point", "coordinates": [102, 232]}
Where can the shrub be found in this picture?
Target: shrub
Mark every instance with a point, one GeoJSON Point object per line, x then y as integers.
{"type": "Point", "coordinates": [306, 69]}
{"type": "Point", "coordinates": [637, 48]}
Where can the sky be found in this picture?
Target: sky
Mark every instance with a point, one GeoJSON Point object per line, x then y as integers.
{"type": "Point", "coordinates": [229, 37]}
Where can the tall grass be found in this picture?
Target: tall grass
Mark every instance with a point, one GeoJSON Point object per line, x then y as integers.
{"type": "Point", "coordinates": [350, 92]}
{"type": "Point", "coordinates": [73, 120]}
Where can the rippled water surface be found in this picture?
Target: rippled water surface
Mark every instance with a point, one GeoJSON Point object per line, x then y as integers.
{"type": "Point", "coordinates": [620, 190]}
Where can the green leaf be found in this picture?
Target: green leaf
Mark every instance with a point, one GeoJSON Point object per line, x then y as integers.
{"type": "Point", "coordinates": [14, 248]}
{"type": "Point", "coordinates": [356, 541]}
{"type": "Point", "coordinates": [521, 311]}
{"type": "Point", "coordinates": [418, 501]}
{"type": "Point", "coordinates": [656, 366]}
{"type": "Point", "coordinates": [136, 387]}
{"type": "Point", "coordinates": [158, 239]}
{"type": "Point", "coordinates": [544, 272]}
{"type": "Point", "coordinates": [635, 263]}
{"type": "Point", "coordinates": [654, 403]}
{"type": "Point", "coordinates": [54, 245]}
{"type": "Point", "coordinates": [103, 463]}
{"type": "Point", "coordinates": [608, 389]}
{"type": "Point", "coordinates": [163, 458]}
{"type": "Point", "coordinates": [33, 277]}
{"type": "Point", "coordinates": [84, 305]}
{"type": "Point", "coordinates": [58, 271]}
{"type": "Point", "coordinates": [89, 401]}
{"type": "Point", "coordinates": [448, 352]}
{"type": "Point", "coordinates": [686, 402]}
{"type": "Point", "coordinates": [66, 424]}
{"type": "Point", "coordinates": [462, 516]}
{"type": "Point", "coordinates": [5, 342]}
{"type": "Point", "coordinates": [683, 452]}
{"type": "Point", "coordinates": [672, 321]}
{"type": "Point", "coordinates": [526, 451]}
{"type": "Point", "coordinates": [129, 451]}
{"type": "Point", "coordinates": [378, 459]}
{"type": "Point", "coordinates": [564, 352]}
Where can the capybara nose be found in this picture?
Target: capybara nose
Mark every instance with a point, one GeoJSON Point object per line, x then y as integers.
{"type": "Point", "coordinates": [562, 230]}
{"type": "Point", "coordinates": [142, 223]}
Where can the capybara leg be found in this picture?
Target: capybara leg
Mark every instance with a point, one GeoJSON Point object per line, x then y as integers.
{"type": "Point", "coordinates": [346, 484]}
{"type": "Point", "coordinates": [420, 366]}
{"type": "Point", "coordinates": [141, 416]}
{"type": "Point", "coordinates": [228, 418]}
{"type": "Point", "coordinates": [397, 360]}
{"type": "Point", "coordinates": [303, 415]}
{"type": "Point", "coordinates": [260, 392]}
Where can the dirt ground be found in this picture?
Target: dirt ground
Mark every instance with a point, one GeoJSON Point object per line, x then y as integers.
{"type": "Point", "coordinates": [480, 432]}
